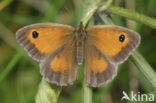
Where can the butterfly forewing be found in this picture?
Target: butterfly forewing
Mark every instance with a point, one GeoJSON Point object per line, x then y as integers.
{"type": "Point", "coordinates": [42, 39]}
{"type": "Point", "coordinates": [114, 41]}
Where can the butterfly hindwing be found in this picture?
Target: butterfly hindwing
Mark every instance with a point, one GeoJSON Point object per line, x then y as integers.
{"type": "Point", "coordinates": [98, 69]}
{"type": "Point", "coordinates": [61, 66]}
{"type": "Point", "coordinates": [42, 39]}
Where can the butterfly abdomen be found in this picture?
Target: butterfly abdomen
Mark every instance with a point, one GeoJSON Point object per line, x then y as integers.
{"type": "Point", "coordinates": [79, 55]}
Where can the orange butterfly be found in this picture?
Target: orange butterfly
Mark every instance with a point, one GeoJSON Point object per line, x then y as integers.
{"type": "Point", "coordinates": [61, 48]}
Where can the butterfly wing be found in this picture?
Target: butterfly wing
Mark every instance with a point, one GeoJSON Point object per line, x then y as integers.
{"type": "Point", "coordinates": [54, 46]}
{"type": "Point", "coordinates": [114, 41]}
{"type": "Point", "coordinates": [105, 47]}
{"type": "Point", "coordinates": [61, 66]}
{"type": "Point", "coordinates": [98, 69]}
{"type": "Point", "coordinates": [42, 39]}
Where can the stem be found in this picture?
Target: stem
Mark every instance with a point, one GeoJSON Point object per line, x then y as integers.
{"type": "Point", "coordinates": [87, 94]}
{"type": "Point", "coordinates": [105, 6]}
{"type": "Point", "coordinates": [133, 15]}
{"type": "Point", "coordinates": [88, 15]}
{"type": "Point", "coordinates": [85, 20]}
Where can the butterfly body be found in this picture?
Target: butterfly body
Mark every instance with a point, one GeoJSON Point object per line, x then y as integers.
{"type": "Point", "coordinates": [80, 37]}
{"type": "Point", "coordinates": [61, 48]}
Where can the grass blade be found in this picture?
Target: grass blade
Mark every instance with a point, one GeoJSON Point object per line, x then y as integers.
{"type": "Point", "coordinates": [133, 15]}
{"type": "Point", "coordinates": [144, 67]}
{"type": "Point", "coordinates": [10, 65]}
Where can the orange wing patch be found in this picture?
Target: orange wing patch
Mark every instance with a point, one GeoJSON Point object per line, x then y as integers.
{"type": "Point", "coordinates": [107, 39]}
{"type": "Point", "coordinates": [65, 59]}
{"type": "Point", "coordinates": [49, 39]}
{"type": "Point", "coordinates": [98, 64]}
{"type": "Point", "coordinates": [94, 60]}
{"type": "Point", "coordinates": [60, 63]}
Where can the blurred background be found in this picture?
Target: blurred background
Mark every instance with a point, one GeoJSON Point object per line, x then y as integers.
{"type": "Point", "coordinates": [20, 75]}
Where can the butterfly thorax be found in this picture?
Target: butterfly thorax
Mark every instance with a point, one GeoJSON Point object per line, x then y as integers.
{"type": "Point", "coordinates": [80, 33]}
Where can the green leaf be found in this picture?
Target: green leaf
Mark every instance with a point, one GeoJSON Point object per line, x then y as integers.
{"type": "Point", "coordinates": [133, 15]}
{"type": "Point", "coordinates": [46, 93]}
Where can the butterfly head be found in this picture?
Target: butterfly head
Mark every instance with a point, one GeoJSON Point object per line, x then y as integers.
{"type": "Point", "coordinates": [80, 32]}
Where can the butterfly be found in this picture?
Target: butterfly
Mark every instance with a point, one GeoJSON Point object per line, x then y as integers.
{"type": "Point", "coordinates": [60, 49]}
